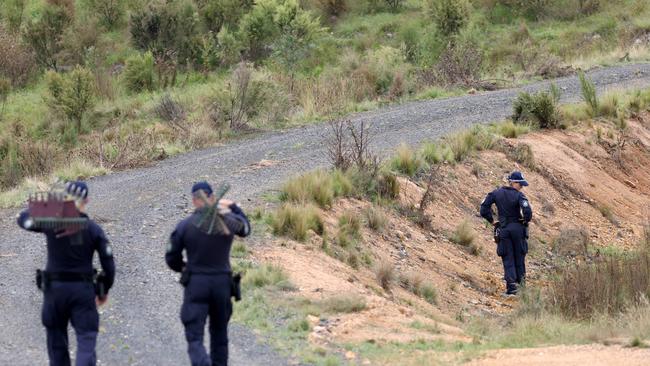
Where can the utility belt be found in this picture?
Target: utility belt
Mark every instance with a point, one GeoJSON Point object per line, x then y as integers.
{"type": "Point", "coordinates": [506, 221]}
{"type": "Point", "coordinates": [235, 280]}
{"type": "Point", "coordinates": [44, 279]}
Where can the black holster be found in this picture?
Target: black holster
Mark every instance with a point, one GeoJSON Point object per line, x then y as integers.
{"type": "Point", "coordinates": [99, 281]}
{"type": "Point", "coordinates": [235, 286]}
{"type": "Point", "coordinates": [185, 277]}
{"type": "Point", "coordinates": [41, 280]}
{"type": "Point", "coordinates": [497, 232]}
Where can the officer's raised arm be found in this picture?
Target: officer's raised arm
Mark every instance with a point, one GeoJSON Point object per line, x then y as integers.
{"type": "Point", "coordinates": [26, 222]}
{"type": "Point", "coordinates": [486, 207]}
{"type": "Point", "coordinates": [174, 255]}
{"type": "Point", "coordinates": [238, 214]}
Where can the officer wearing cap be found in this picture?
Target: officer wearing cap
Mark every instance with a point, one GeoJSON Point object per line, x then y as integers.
{"type": "Point", "coordinates": [69, 295]}
{"type": "Point", "coordinates": [514, 215]}
{"type": "Point", "coordinates": [207, 275]}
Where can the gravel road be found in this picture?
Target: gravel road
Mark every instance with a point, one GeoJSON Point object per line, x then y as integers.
{"type": "Point", "coordinates": [138, 209]}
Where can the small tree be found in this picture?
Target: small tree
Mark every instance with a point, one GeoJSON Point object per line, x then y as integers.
{"type": "Point", "coordinates": [72, 94]}
{"type": "Point", "coordinates": [111, 12]}
{"type": "Point", "coordinates": [450, 16]}
{"type": "Point", "coordinates": [45, 34]}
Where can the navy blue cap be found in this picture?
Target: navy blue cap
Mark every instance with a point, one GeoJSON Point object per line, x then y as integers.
{"type": "Point", "coordinates": [202, 186]}
{"type": "Point", "coordinates": [517, 177]}
{"type": "Point", "coordinates": [77, 188]}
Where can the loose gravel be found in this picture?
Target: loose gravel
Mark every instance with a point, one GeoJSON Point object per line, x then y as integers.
{"type": "Point", "coordinates": [138, 209]}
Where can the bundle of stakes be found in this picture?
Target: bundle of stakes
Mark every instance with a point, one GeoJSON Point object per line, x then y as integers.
{"type": "Point", "coordinates": [212, 218]}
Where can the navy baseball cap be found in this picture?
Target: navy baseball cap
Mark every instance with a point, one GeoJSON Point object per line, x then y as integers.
{"type": "Point", "coordinates": [77, 188]}
{"type": "Point", "coordinates": [517, 177]}
{"type": "Point", "coordinates": [202, 186]}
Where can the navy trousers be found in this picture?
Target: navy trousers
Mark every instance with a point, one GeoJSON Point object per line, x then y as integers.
{"type": "Point", "coordinates": [207, 296]}
{"type": "Point", "coordinates": [70, 302]}
{"type": "Point", "coordinates": [512, 249]}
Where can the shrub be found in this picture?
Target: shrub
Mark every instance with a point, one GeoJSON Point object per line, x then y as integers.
{"type": "Point", "coordinates": [376, 218]}
{"type": "Point", "coordinates": [394, 4]}
{"type": "Point", "coordinates": [16, 62]}
{"type": "Point", "coordinates": [343, 303]}
{"type": "Point", "coordinates": [461, 63]}
{"type": "Point", "coordinates": [111, 12]}
{"type": "Point", "coordinates": [540, 108]}
{"type": "Point", "coordinates": [295, 221]}
{"type": "Point", "coordinates": [72, 94]}
{"type": "Point", "coordinates": [450, 15]}
{"type": "Point", "coordinates": [265, 275]}
{"type": "Point", "coordinates": [333, 8]}
{"type": "Point", "coordinates": [45, 34]}
{"type": "Point", "coordinates": [407, 161]}
{"type": "Point", "coordinates": [216, 14]}
{"type": "Point", "coordinates": [139, 73]}
{"type": "Point", "coordinates": [464, 234]}
{"type": "Point", "coordinates": [388, 186]}
{"type": "Point", "coordinates": [385, 274]}
{"type": "Point", "coordinates": [610, 286]}
{"type": "Point", "coordinates": [589, 94]}
{"type": "Point", "coordinates": [169, 109]}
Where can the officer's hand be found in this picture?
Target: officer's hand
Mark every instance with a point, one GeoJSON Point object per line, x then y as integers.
{"type": "Point", "coordinates": [101, 300]}
{"type": "Point", "coordinates": [225, 202]}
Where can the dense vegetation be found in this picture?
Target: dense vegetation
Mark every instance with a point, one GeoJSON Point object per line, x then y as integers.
{"type": "Point", "coordinates": [116, 84]}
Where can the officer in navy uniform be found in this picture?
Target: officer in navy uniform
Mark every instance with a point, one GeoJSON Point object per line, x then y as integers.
{"type": "Point", "coordinates": [67, 283]}
{"type": "Point", "coordinates": [207, 275]}
{"type": "Point", "coordinates": [514, 215]}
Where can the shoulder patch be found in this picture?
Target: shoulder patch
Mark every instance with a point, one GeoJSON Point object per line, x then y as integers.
{"type": "Point", "coordinates": [109, 251]}
{"type": "Point", "coordinates": [525, 203]}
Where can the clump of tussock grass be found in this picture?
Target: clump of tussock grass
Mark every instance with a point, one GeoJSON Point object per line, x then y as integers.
{"type": "Point", "coordinates": [320, 187]}
{"type": "Point", "coordinates": [435, 153]}
{"type": "Point", "coordinates": [610, 105]}
{"type": "Point", "coordinates": [375, 218]}
{"type": "Point", "coordinates": [266, 275]}
{"type": "Point", "coordinates": [589, 95]}
{"type": "Point", "coordinates": [343, 303]}
{"type": "Point", "coordinates": [418, 285]}
{"type": "Point", "coordinates": [407, 161]}
{"type": "Point", "coordinates": [239, 250]}
{"type": "Point", "coordinates": [385, 274]}
{"type": "Point", "coordinates": [349, 230]}
{"type": "Point", "coordinates": [523, 154]}
{"type": "Point", "coordinates": [510, 130]}
{"type": "Point", "coordinates": [294, 221]}
{"type": "Point", "coordinates": [464, 234]}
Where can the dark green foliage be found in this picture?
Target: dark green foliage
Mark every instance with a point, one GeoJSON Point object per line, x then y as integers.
{"type": "Point", "coordinates": [72, 94]}
{"type": "Point", "coordinates": [589, 94]}
{"type": "Point", "coordinates": [450, 15]}
{"type": "Point", "coordinates": [540, 108]}
{"type": "Point", "coordinates": [110, 12]}
{"type": "Point", "coordinates": [218, 13]}
{"type": "Point", "coordinates": [45, 34]}
{"type": "Point", "coordinates": [169, 30]}
{"type": "Point", "coordinates": [139, 73]}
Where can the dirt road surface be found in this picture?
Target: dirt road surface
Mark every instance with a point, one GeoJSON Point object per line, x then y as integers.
{"type": "Point", "coordinates": [140, 325]}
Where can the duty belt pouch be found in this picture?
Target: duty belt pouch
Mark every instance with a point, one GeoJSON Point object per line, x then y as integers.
{"type": "Point", "coordinates": [99, 283]}
{"type": "Point", "coordinates": [185, 278]}
{"type": "Point", "coordinates": [235, 286]}
{"type": "Point", "coordinates": [497, 232]}
{"type": "Point", "coordinates": [40, 280]}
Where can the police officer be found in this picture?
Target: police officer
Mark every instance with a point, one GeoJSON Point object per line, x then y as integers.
{"type": "Point", "coordinates": [207, 275]}
{"type": "Point", "coordinates": [514, 215]}
{"type": "Point", "coordinates": [67, 283]}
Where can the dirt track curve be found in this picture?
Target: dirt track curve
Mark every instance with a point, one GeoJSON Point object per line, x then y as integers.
{"type": "Point", "coordinates": [138, 208]}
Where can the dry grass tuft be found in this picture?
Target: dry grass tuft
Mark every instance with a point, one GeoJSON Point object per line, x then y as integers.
{"type": "Point", "coordinates": [385, 273]}
{"type": "Point", "coordinates": [464, 234]}
{"type": "Point", "coordinates": [295, 221]}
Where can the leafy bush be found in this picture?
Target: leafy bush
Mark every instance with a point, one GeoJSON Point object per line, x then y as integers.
{"type": "Point", "coordinates": [407, 161]}
{"type": "Point", "coordinates": [589, 94]}
{"type": "Point", "coordinates": [219, 13]}
{"type": "Point", "coordinates": [16, 62]}
{"type": "Point", "coordinates": [139, 73]}
{"type": "Point", "coordinates": [168, 29]}
{"type": "Point", "coordinates": [295, 221]}
{"type": "Point", "coordinates": [540, 108]}
{"type": "Point", "coordinates": [111, 12]}
{"type": "Point", "coordinates": [45, 35]}
{"type": "Point", "coordinates": [450, 15]}
{"type": "Point", "coordinates": [72, 94]}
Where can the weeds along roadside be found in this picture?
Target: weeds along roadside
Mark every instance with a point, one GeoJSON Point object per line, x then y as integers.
{"type": "Point", "coordinates": [147, 96]}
